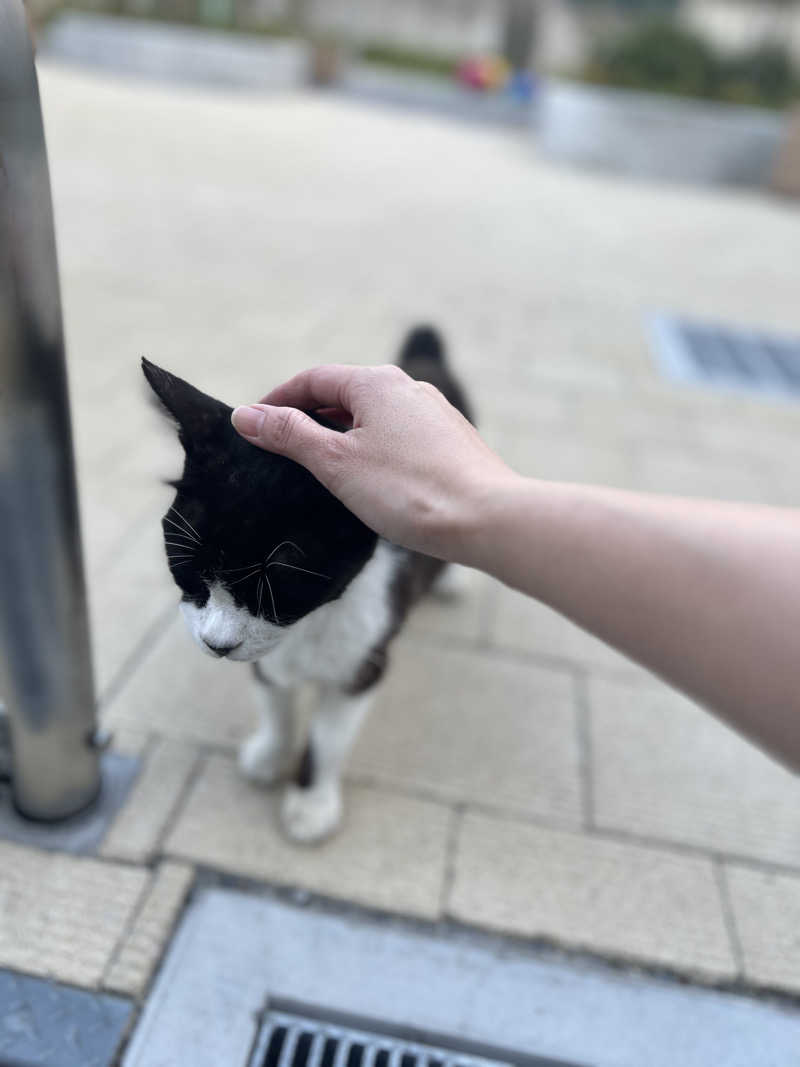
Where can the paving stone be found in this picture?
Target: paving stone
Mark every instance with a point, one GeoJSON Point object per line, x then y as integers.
{"type": "Point", "coordinates": [752, 441]}
{"type": "Point", "coordinates": [109, 510]}
{"type": "Point", "coordinates": [664, 768]}
{"type": "Point", "coordinates": [505, 408]}
{"type": "Point", "coordinates": [128, 741]}
{"type": "Point", "coordinates": [473, 728]}
{"type": "Point", "coordinates": [137, 830]}
{"type": "Point", "coordinates": [389, 853]}
{"type": "Point", "coordinates": [178, 692]}
{"type": "Point", "coordinates": [126, 597]}
{"type": "Point", "coordinates": [766, 911]}
{"type": "Point", "coordinates": [650, 416]}
{"type": "Point", "coordinates": [524, 625]}
{"type": "Point", "coordinates": [62, 916]}
{"type": "Point", "coordinates": [784, 491]}
{"type": "Point", "coordinates": [565, 457]}
{"type": "Point", "coordinates": [132, 967]}
{"type": "Point", "coordinates": [461, 616]}
{"type": "Point", "coordinates": [624, 900]}
{"type": "Point", "coordinates": [43, 1024]}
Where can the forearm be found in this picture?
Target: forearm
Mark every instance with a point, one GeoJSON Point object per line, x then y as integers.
{"type": "Point", "coordinates": [706, 595]}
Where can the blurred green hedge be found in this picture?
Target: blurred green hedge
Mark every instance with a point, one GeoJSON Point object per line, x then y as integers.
{"type": "Point", "coordinates": [664, 57]}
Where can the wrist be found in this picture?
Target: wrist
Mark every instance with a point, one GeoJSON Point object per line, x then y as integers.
{"type": "Point", "coordinates": [481, 538]}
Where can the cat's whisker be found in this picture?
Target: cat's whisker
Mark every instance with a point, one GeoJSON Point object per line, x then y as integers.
{"type": "Point", "coordinates": [272, 598]}
{"type": "Point", "coordinates": [260, 592]}
{"type": "Point", "coordinates": [244, 577]}
{"type": "Point", "coordinates": [302, 570]}
{"type": "Point", "coordinates": [179, 544]}
{"type": "Point", "coordinates": [182, 530]}
{"type": "Point", "coordinates": [186, 521]}
{"type": "Point", "coordinates": [280, 546]}
{"type": "Point", "coordinates": [233, 570]}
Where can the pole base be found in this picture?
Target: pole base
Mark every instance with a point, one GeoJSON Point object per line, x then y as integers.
{"type": "Point", "coordinates": [82, 833]}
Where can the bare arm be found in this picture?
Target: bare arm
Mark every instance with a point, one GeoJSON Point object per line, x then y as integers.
{"type": "Point", "coordinates": [705, 594]}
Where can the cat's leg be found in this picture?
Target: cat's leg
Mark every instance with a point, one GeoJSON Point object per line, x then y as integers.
{"type": "Point", "coordinates": [266, 756]}
{"type": "Point", "coordinates": [452, 582]}
{"type": "Point", "coordinates": [312, 804]}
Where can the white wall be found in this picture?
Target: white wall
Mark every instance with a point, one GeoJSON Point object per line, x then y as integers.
{"type": "Point", "coordinates": [446, 26]}
{"type": "Point", "coordinates": [565, 32]}
{"type": "Point", "coordinates": [737, 24]}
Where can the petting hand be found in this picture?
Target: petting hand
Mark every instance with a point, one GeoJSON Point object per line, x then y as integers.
{"type": "Point", "coordinates": [411, 467]}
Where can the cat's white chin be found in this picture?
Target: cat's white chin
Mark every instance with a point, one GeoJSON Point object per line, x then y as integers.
{"type": "Point", "coordinates": [244, 654]}
{"type": "Point", "coordinates": [221, 623]}
{"type": "Point", "coordinates": [251, 655]}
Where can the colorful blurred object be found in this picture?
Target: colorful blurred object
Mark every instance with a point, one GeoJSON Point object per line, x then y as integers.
{"type": "Point", "coordinates": [485, 73]}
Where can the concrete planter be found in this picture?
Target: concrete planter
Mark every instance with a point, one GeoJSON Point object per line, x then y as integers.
{"type": "Point", "coordinates": [656, 136]}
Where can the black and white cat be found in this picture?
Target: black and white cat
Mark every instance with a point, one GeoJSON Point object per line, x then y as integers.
{"type": "Point", "coordinates": [275, 571]}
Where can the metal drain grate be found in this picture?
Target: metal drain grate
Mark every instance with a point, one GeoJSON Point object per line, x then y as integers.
{"type": "Point", "coordinates": [727, 357]}
{"type": "Point", "coordinates": [304, 1039]}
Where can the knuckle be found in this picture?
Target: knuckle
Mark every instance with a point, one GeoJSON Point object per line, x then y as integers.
{"type": "Point", "coordinates": [287, 426]}
{"type": "Point", "coordinates": [388, 375]}
{"type": "Point", "coordinates": [428, 390]}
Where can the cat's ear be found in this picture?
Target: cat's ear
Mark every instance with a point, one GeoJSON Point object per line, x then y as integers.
{"type": "Point", "coordinates": [198, 416]}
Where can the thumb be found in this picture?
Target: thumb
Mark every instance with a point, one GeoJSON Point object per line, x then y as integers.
{"type": "Point", "coordinates": [287, 431]}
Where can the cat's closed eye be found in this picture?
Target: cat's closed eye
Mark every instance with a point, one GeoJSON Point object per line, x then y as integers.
{"type": "Point", "coordinates": [198, 599]}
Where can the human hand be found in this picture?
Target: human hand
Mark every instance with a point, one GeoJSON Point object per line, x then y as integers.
{"type": "Point", "coordinates": [411, 466]}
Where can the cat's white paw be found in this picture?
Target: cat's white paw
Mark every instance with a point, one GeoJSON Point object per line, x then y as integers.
{"type": "Point", "coordinates": [452, 583]}
{"type": "Point", "coordinates": [265, 758]}
{"type": "Point", "coordinates": [311, 815]}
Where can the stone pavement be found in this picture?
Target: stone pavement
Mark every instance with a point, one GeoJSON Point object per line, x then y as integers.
{"type": "Point", "coordinates": [517, 775]}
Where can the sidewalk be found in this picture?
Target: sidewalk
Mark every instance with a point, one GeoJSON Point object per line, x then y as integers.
{"type": "Point", "coordinates": [517, 775]}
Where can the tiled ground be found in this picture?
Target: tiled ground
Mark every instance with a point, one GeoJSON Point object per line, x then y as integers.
{"type": "Point", "coordinates": [517, 775]}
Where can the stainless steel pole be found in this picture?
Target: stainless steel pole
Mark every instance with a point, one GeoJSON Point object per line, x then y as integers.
{"type": "Point", "coordinates": [45, 662]}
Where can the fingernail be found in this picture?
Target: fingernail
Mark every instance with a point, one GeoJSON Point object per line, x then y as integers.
{"type": "Point", "coordinates": [248, 421]}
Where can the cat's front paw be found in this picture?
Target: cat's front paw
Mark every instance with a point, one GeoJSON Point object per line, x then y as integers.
{"type": "Point", "coordinates": [310, 815]}
{"type": "Point", "coordinates": [453, 583]}
{"type": "Point", "coordinates": [265, 758]}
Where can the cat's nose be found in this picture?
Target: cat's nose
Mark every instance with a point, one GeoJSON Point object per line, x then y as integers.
{"type": "Point", "coordinates": [221, 650]}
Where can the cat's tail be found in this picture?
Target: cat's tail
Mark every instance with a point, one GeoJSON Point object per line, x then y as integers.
{"type": "Point", "coordinates": [423, 344]}
{"type": "Point", "coordinates": [423, 356]}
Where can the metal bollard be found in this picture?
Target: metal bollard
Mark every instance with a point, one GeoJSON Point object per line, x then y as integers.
{"type": "Point", "coordinates": [45, 662]}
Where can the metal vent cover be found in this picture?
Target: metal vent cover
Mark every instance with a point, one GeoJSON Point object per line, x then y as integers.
{"type": "Point", "coordinates": [725, 356]}
{"type": "Point", "coordinates": [307, 1037]}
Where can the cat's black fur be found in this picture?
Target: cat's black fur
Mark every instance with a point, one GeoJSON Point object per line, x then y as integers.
{"type": "Point", "coordinates": [238, 499]}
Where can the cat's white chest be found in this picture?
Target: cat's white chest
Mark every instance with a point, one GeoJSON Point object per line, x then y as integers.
{"type": "Point", "coordinates": [331, 643]}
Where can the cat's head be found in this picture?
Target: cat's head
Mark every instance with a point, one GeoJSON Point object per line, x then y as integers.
{"type": "Point", "coordinates": [253, 541]}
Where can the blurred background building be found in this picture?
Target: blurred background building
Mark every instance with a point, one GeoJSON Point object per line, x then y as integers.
{"type": "Point", "coordinates": [551, 34]}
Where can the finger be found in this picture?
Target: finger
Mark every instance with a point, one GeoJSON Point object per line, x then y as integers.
{"type": "Point", "coordinates": [320, 387]}
{"type": "Point", "coordinates": [287, 431]}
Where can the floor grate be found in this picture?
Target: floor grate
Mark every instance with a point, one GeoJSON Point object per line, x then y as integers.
{"type": "Point", "coordinates": [727, 357]}
{"type": "Point", "coordinates": [305, 1039]}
